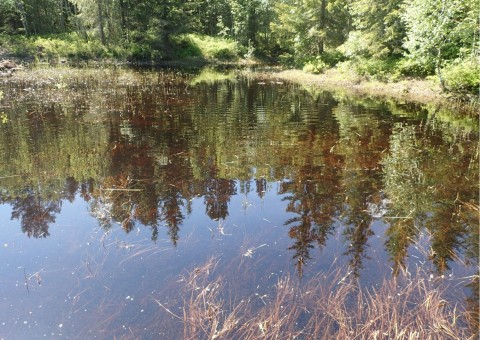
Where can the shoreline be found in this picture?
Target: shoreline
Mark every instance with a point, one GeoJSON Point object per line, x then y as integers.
{"type": "Point", "coordinates": [419, 91]}
{"type": "Point", "coordinates": [409, 90]}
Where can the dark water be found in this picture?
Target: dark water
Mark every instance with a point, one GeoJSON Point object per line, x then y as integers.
{"type": "Point", "coordinates": [115, 183]}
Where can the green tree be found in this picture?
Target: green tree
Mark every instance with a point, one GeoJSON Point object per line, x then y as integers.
{"type": "Point", "coordinates": [378, 29]}
{"type": "Point", "coordinates": [306, 28]}
{"type": "Point", "coordinates": [440, 31]}
{"type": "Point", "coordinates": [38, 16]}
{"type": "Point", "coordinates": [10, 17]}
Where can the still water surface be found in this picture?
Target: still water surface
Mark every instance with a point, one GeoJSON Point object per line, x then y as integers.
{"type": "Point", "coordinates": [114, 184]}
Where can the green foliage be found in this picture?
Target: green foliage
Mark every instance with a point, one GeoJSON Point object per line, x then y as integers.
{"type": "Point", "coordinates": [71, 46]}
{"type": "Point", "coordinates": [409, 67]}
{"type": "Point", "coordinates": [224, 54]}
{"type": "Point", "coordinates": [384, 40]}
{"type": "Point", "coordinates": [463, 76]}
{"type": "Point", "coordinates": [195, 45]}
{"type": "Point", "coordinates": [332, 58]}
{"type": "Point", "coordinates": [10, 22]}
{"type": "Point", "coordinates": [316, 66]}
{"type": "Point", "coordinates": [185, 47]}
{"type": "Point", "coordinates": [3, 118]}
{"type": "Point", "coordinates": [440, 30]}
{"type": "Point", "coordinates": [139, 52]}
{"type": "Point", "coordinates": [378, 69]}
{"type": "Point", "coordinates": [378, 31]}
{"type": "Point", "coordinates": [18, 45]}
{"type": "Point", "coordinates": [306, 28]}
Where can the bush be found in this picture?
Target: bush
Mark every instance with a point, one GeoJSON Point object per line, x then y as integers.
{"type": "Point", "coordinates": [139, 52]}
{"type": "Point", "coordinates": [286, 59]}
{"type": "Point", "coordinates": [316, 66]}
{"type": "Point", "coordinates": [18, 45]}
{"type": "Point", "coordinates": [224, 54]}
{"type": "Point", "coordinates": [412, 68]}
{"type": "Point", "coordinates": [209, 47]}
{"type": "Point", "coordinates": [184, 47]}
{"type": "Point", "coordinates": [378, 69]}
{"type": "Point", "coordinates": [462, 76]}
{"type": "Point", "coordinates": [332, 58]}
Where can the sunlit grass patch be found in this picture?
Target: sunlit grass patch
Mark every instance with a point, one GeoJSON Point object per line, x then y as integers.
{"type": "Point", "coordinates": [194, 45]}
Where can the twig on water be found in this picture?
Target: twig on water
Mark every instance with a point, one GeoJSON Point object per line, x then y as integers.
{"type": "Point", "coordinates": [167, 310]}
{"type": "Point", "coordinates": [26, 280]}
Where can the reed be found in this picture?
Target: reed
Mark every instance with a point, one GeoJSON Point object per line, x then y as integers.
{"type": "Point", "coordinates": [329, 306]}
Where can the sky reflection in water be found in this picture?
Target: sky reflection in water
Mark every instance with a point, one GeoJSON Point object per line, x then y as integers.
{"type": "Point", "coordinates": [116, 182]}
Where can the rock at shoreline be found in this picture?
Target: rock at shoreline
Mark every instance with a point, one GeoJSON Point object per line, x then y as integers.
{"type": "Point", "coordinates": [7, 67]}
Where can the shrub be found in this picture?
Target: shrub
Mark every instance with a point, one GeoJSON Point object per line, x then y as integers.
{"type": "Point", "coordinates": [332, 58]}
{"type": "Point", "coordinates": [139, 52]}
{"type": "Point", "coordinates": [378, 69]}
{"type": "Point", "coordinates": [212, 47]}
{"type": "Point", "coordinates": [316, 66]}
{"type": "Point", "coordinates": [184, 47]}
{"type": "Point", "coordinates": [286, 59]}
{"type": "Point", "coordinates": [462, 76]}
{"type": "Point", "coordinates": [408, 67]}
{"type": "Point", "coordinates": [224, 54]}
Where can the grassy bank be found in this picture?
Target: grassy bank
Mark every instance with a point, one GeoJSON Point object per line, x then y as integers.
{"type": "Point", "coordinates": [198, 50]}
{"type": "Point", "coordinates": [71, 47]}
{"type": "Point", "coordinates": [422, 91]}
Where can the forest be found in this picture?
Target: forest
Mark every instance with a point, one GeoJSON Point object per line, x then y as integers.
{"type": "Point", "coordinates": [383, 40]}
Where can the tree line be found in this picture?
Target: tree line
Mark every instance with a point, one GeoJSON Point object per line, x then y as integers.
{"type": "Point", "coordinates": [377, 38]}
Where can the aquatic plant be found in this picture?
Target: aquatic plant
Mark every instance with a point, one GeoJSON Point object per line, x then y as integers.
{"type": "Point", "coordinates": [329, 306]}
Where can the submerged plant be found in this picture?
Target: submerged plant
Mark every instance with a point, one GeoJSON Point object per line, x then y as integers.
{"type": "Point", "coordinates": [329, 306]}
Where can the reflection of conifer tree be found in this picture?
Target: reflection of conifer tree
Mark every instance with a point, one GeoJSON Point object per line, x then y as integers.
{"type": "Point", "coordinates": [172, 214]}
{"type": "Point", "coordinates": [448, 233]}
{"type": "Point", "coordinates": [357, 233]}
{"type": "Point", "coordinates": [261, 187]}
{"type": "Point", "coordinates": [35, 214]}
{"type": "Point", "coordinates": [400, 235]}
{"type": "Point", "coordinates": [86, 189]}
{"type": "Point", "coordinates": [304, 237]}
{"type": "Point", "coordinates": [406, 185]}
{"type": "Point", "coordinates": [71, 187]}
{"type": "Point", "coordinates": [314, 198]}
{"type": "Point", "coordinates": [217, 195]}
{"type": "Point", "coordinates": [146, 208]}
{"type": "Point", "coordinates": [360, 189]}
{"type": "Point", "coordinates": [363, 139]}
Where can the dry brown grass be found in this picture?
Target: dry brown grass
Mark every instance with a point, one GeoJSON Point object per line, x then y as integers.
{"type": "Point", "coordinates": [327, 307]}
{"type": "Point", "coordinates": [419, 91]}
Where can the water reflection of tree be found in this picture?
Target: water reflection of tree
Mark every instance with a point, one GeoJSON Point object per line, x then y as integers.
{"type": "Point", "coordinates": [217, 195]}
{"type": "Point", "coordinates": [361, 143]}
{"type": "Point", "coordinates": [314, 195]}
{"type": "Point", "coordinates": [35, 214]}
{"type": "Point", "coordinates": [430, 185]}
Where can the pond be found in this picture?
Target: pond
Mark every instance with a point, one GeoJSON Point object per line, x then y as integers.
{"type": "Point", "coordinates": [127, 196]}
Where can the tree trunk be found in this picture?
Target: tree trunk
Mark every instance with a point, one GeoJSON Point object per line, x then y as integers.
{"type": "Point", "coordinates": [438, 66]}
{"type": "Point", "coordinates": [100, 22]}
{"type": "Point", "coordinates": [123, 19]}
{"type": "Point", "coordinates": [252, 26]}
{"type": "Point", "coordinates": [322, 25]}
{"type": "Point", "coordinates": [23, 16]}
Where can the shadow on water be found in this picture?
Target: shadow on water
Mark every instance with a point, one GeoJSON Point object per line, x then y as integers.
{"type": "Point", "coordinates": [240, 168]}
